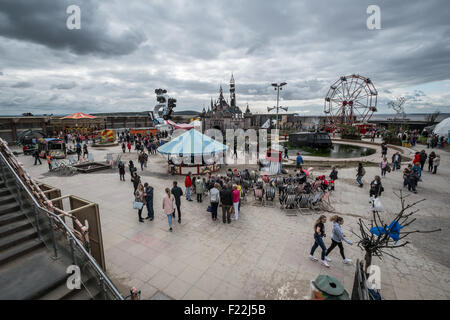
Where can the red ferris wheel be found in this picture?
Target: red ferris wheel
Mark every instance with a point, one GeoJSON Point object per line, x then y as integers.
{"type": "Point", "coordinates": [349, 100]}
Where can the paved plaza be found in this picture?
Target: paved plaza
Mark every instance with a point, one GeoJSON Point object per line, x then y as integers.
{"type": "Point", "coordinates": [263, 255]}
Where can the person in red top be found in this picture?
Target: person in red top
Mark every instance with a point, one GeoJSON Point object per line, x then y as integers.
{"type": "Point", "coordinates": [416, 157]}
{"type": "Point", "coordinates": [236, 197]}
{"type": "Point", "coordinates": [188, 185]}
{"type": "Point", "coordinates": [129, 146]}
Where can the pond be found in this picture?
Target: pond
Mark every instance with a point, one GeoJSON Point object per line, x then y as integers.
{"type": "Point", "coordinates": [336, 151]}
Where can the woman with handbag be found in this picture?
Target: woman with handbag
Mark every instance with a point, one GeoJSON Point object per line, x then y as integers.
{"type": "Point", "coordinates": [139, 201]}
{"type": "Point", "coordinates": [168, 207]}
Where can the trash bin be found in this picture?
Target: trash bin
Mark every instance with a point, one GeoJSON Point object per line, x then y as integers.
{"type": "Point", "coordinates": [325, 287]}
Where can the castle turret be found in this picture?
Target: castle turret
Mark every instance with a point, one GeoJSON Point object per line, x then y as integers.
{"type": "Point", "coordinates": [232, 93]}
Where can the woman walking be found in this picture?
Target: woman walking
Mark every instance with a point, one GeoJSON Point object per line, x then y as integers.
{"type": "Point", "coordinates": [384, 165]}
{"type": "Point", "coordinates": [168, 207]}
{"type": "Point", "coordinates": [376, 188]}
{"type": "Point", "coordinates": [214, 195]}
{"type": "Point", "coordinates": [139, 199]}
{"type": "Point", "coordinates": [436, 163]}
{"type": "Point", "coordinates": [236, 197]}
{"type": "Point", "coordinates": [431, 158]}
{"type": "Point", "coordinates": [360, 172]}
{"type": "Point", "coordinates": [337, 237]}
{"type": "Point", "coordinates": [136, 181]}
{"type": "Point", "coordinates": [319, 233]}
{"type": "Point", "coordinates": [121, 171]}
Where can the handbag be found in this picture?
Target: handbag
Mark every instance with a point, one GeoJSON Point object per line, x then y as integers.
{"type": "Point", "coordinates": [209, 209]}
{"type": "Point", "coordinates": [377, 205]}
{"type": "Point", "coordinates": [138, 205]}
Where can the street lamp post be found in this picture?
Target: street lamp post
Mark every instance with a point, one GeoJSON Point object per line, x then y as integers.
{"type": "Point", "coordinates": [278, 87]}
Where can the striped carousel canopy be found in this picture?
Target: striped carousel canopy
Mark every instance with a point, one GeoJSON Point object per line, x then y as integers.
{"type": "Point", "coordinates": [79, 115]}
{"type": "Point", "coordinates": [192, 142]}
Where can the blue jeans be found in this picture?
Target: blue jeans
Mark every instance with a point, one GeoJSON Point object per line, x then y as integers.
{"type": "Point", "coordinates": [394, 165]}
{"type": "Point", "coordinates": [188, 193]}
{"type": "Point", "coordinates": [358, 178]}
{"type": "Point", "coordinates": [150, 209]}
{"type": "Point", "coordinates": [169, 216]}
{"type": "Point", "coordinates": [318, 242]}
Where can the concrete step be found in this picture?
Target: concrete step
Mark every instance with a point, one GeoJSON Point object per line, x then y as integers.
{"type": "Point", "coordinates": [7, 199]}
{"type": "Point", "coordinates": [11, 217]}
{"type": "Point", "coordinates": [19, 250]}
{"type": "Point", "coordinates": [9, 207]}
{"type": "Point", "coordinates": [17, 238]}
{"type": "Point", "coordinates": [14, 227]}
{"type": "Point", "coordinates": [31, 277]}
{"type": "Point", "coordinates": [90, 291]}
{"type": "Point", "coordinates": [63, 293]}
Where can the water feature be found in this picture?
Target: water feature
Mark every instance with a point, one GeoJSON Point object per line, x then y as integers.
{"type": "Point", "coordinates": [336, 151]}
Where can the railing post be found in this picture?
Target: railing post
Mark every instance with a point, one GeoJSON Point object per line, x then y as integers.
{"type": "Point", "coordinates": [72, 250]}
{"type": "Point", "coordinates": [36, 221]}
{"type": "Point", "coordinates": [102, 285]}
{"type": "Point", "coordinates": [3, 173]}
{"type": "Point", "coordinates": [52, 233]}
{"type": "Point", "coordinates": [19, 195]}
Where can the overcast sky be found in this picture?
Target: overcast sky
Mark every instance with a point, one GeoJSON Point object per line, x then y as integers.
{"type": "Point", "coordinates": [126, 49]}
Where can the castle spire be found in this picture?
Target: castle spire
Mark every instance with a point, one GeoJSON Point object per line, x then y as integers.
{"type": "Point", "coordinates": [232, 93]}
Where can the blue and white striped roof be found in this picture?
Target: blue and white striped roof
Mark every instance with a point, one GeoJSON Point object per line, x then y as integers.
{"type": "Point", "coordinates": [192, 142]}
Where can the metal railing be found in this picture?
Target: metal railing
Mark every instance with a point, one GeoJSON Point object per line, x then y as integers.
{"type": "Point", "coordinates": [63, 242]}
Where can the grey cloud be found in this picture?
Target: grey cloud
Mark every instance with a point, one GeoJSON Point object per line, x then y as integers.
{"type": "Point", "coordinates": [64, 86]}
{"type": "Point", "coordinates": [22, 84]}
{"type": "Point", "coordinates": [44, 22]}
{"type": "Point", "coordinates": [190, 49]}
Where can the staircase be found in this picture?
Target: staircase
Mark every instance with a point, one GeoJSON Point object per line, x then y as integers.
{"type": "Point", "coordinates": [27, 268]}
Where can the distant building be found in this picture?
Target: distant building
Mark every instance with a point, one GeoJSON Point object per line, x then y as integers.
{"type": "Point", "coordinates": [224, 115]}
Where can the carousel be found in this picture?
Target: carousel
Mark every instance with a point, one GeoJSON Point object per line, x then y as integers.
{"type": "Point", "coordinates": [193, 151]}
{"type": "Point", "coordinates": [81, 123]}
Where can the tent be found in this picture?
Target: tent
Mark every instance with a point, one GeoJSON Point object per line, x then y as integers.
{"type": "Point", "coordinates": [79, 115]}
{"type": "Point", "coordinates": [192, 142]}
{"type": "Point", "coordinates": [443, 127]}
{"type": "Point", "coordinates": [189, 144]}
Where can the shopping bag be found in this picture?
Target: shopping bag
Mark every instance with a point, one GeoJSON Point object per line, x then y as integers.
{"type": "Point", "coordinates": [138, 205]}
{"type": "Point", "coordinates": [377, 205]}
{"type": "Point", "coordinates": [209, 209]}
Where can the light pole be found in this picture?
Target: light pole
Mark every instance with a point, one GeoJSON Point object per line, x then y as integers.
{"type": "Point", "coordinates": [278, 87]}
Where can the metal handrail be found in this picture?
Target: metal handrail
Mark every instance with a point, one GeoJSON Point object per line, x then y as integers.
{"type": "Point", "coordinates": [76, 241]}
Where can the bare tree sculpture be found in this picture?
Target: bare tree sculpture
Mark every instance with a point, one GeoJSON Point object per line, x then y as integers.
{"type": "Point", "coordinates": [374, 245]}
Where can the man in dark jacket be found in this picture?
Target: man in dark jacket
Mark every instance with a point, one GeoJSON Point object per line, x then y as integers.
{"type": "Point", "coordinates": [423, 158]}
{"type": "Point", "coordinates": [36, 157]}
{"type": "Point", "coordinates": [226, 199]}
{"type": "Point", "coordinates": [177, 193]}
{"type": "Point", "coordinates": [149, 201]}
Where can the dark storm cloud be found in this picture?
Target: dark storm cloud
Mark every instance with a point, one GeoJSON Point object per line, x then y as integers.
{"type": "Point", "coordinates": [22, 84]}
{"type": "Point", "coordinates": [44, 22]}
